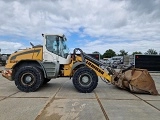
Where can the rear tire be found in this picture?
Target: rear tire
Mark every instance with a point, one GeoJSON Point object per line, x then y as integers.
{"type": "Point", "coordinates": [28, 78]}
{"type": "Point", "coordinates": [46, 80]}
{"type": "Point", "coordinates": [85, 80]}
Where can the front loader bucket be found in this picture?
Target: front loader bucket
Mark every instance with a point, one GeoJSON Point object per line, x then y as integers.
{"type": "Point", "coordinates": [136, 80]}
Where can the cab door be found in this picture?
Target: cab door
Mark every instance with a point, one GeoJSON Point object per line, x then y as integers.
{"type": "Point", "coordinates": [50, 48]}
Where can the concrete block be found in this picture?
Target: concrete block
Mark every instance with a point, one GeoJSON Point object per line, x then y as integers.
{"type": "Point", "coordinates": [129, 110]}
{"type": "Point", "coordinates": [20, 108]}
{"type": "Point", "coordinates": [155, 103]}
{"type": "Point", "coordinates": [4, 80]}
{"type": "Point", "coordinates": [72, 109]}
{"type": "Point", "coordinates": [69, 91]}
{"type": "Point", "coordinates": [8, 89]}
{"type": "Point", "coordinates": [148, 97]}
{"type": "Point", "coordinates": [113, 92]}
{"type": "Point", "coordinates": [1, 98]}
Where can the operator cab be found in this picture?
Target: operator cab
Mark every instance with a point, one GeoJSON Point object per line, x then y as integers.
{"type": "Point", "coordinates": [55, 49]}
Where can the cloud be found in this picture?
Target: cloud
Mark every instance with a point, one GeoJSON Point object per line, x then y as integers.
{"type": "Point", "coordinates": [100, 24]}
{"type": "Point", "coordinates": [102, 46]}
{"type": "Point", "coordinates": [10, 47]}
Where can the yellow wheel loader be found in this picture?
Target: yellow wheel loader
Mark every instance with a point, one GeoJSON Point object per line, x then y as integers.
{"type": "Point", "coordinates": [31, 68]}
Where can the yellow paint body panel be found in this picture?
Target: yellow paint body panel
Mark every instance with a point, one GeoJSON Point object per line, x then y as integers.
{"type": "Point", "coordinates": [27, 54]}
{"type": "Point", "coordinates": [67, 69]}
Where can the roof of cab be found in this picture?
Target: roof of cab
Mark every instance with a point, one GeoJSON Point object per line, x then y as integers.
{"type": "Point", "coordinates": [61, 35]}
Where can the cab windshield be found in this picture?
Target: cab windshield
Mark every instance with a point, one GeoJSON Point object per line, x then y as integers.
{"type": "Point", "coordinates": [57, 45]}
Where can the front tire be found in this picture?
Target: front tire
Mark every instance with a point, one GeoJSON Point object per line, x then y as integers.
{"type": "Point", "coordinates": [85, 80]}
{"type": "Point", "coordinates": [28, 78]}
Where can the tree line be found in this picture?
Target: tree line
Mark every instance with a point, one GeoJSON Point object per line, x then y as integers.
{"type": "Point", "coordinates": [111, 53]}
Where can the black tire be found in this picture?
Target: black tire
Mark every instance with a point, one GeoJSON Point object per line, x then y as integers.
{"type": "Point", "coordinates": [28, 78]}
{"type": "Point", "coordinates": [82, 85]}
{"type": "Point", "coordinates": [46, 80]}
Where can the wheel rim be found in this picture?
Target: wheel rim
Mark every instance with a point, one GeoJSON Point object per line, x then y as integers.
{"type": "Point", "coordinates": [85, 80]}
{"type": "Point", "coordinates": [28, 79]}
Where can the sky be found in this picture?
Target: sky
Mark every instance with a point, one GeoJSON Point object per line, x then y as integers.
{"type": "Point", "coordinates": [92, 25]}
